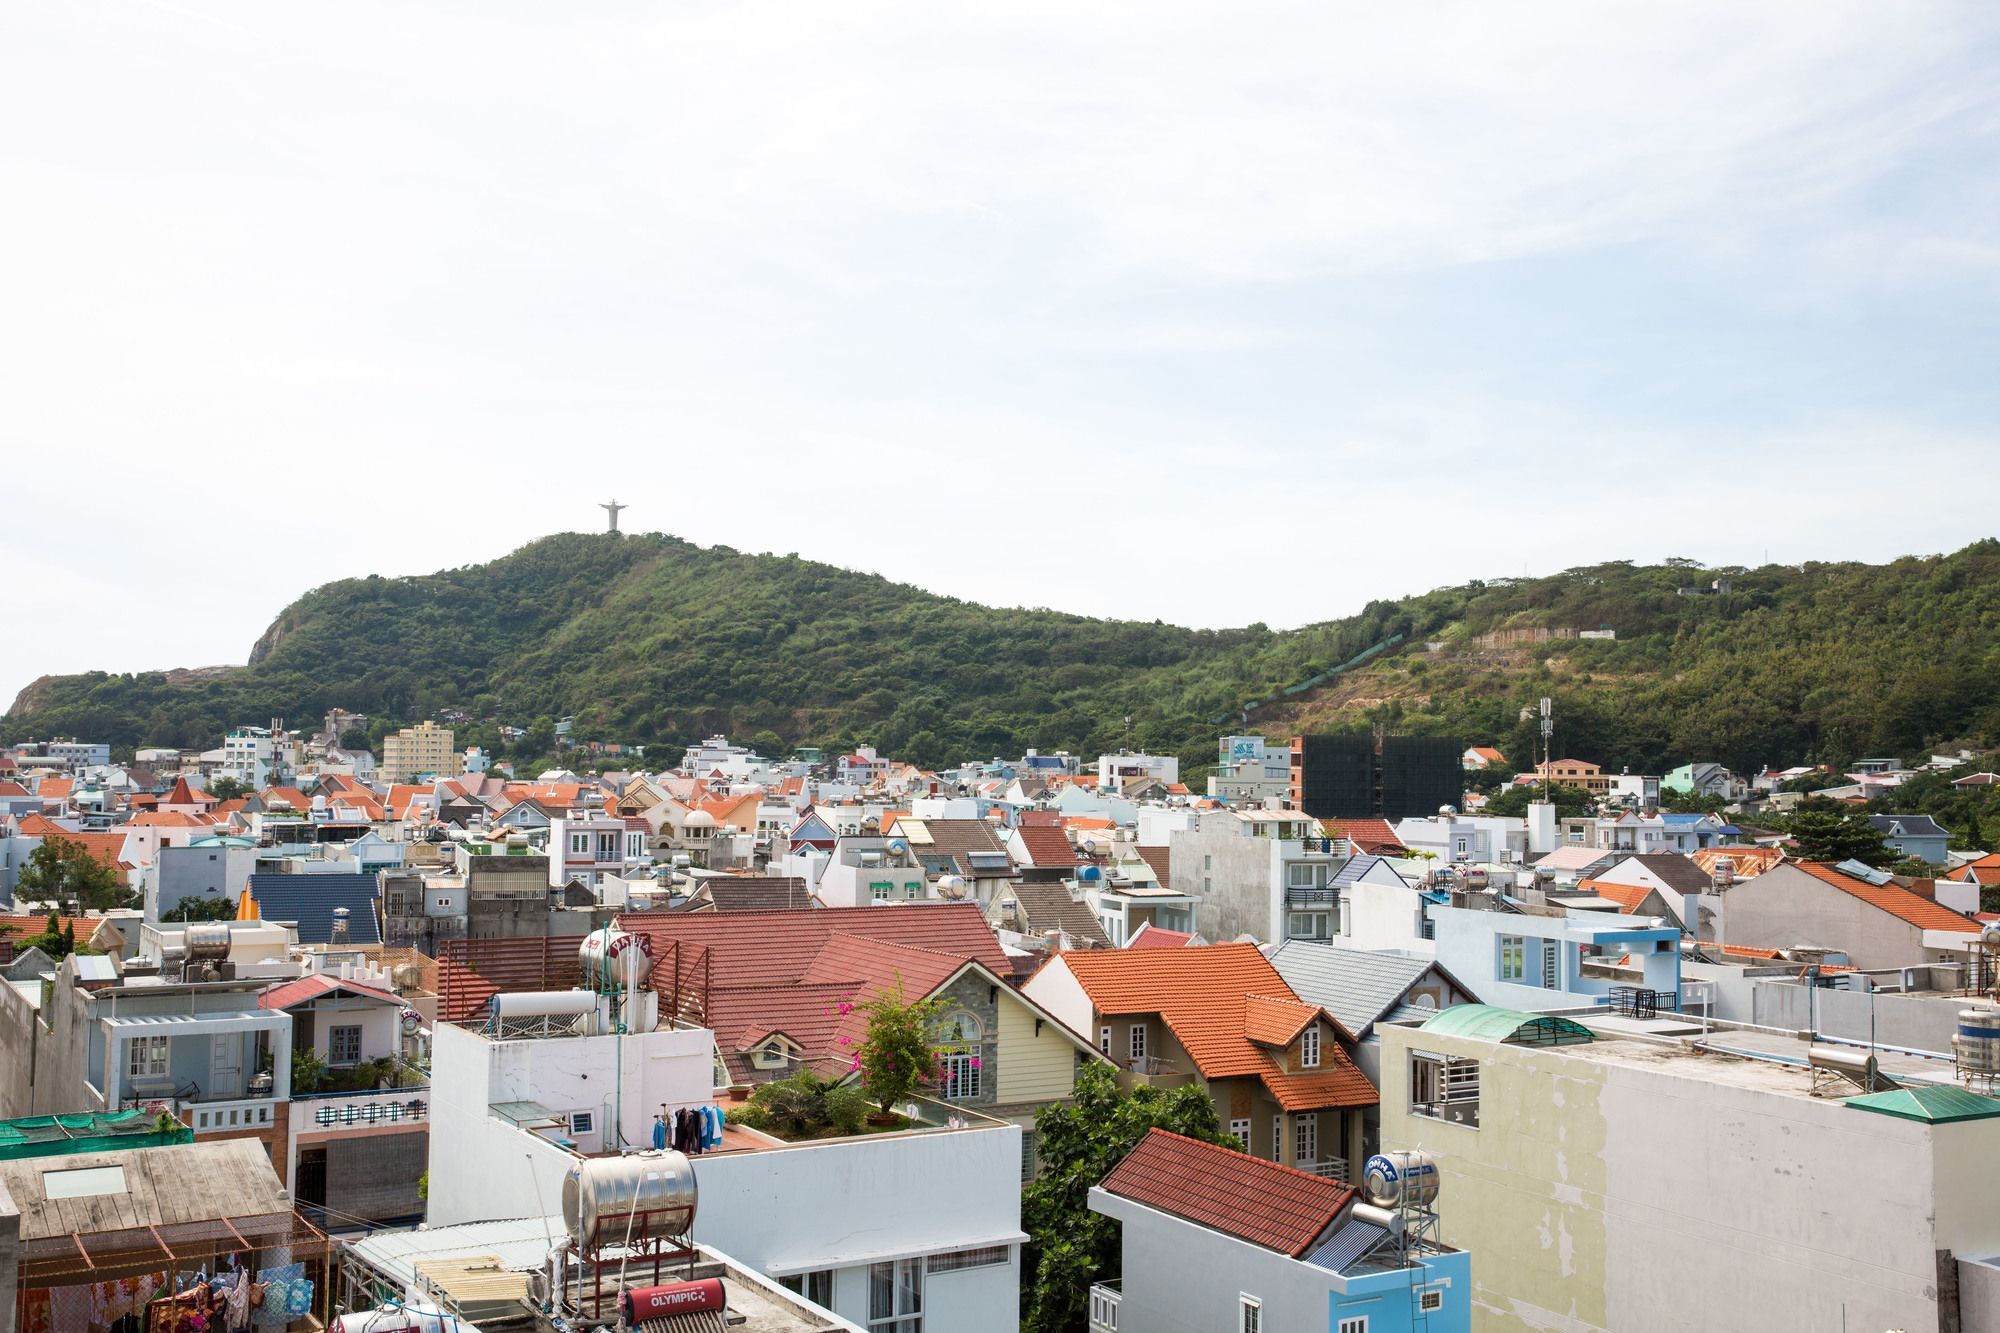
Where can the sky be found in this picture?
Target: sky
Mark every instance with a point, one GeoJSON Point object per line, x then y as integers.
{"type": "Point", "coordinates": [1207, 313]}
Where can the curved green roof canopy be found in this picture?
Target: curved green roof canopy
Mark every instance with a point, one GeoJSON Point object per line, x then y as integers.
{"type": "Point", "coordinates": [1517, 1027]}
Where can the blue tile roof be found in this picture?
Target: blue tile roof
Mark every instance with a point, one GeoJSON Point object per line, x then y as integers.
{"type": "Point", "coordinates": [310, 899]}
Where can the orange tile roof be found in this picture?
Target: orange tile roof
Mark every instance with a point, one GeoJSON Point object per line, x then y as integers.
{"type": "Point", "coordinates": [1150, 936]}
{"type": "Point", "coordinates": [1270, 1020]}
{"type": "Point", "coordinates": [1088, 822]}
{"type": "Point", "coordinates": [775, 947]}
{"type": "Point", "coordinates": [106, 847]}
{"type": "Point", "coordinates": [1627, 896]}
{"type": "Point", "coordinates": [55, 788]}
{"type": "Point", "coordinates": [1265, 1203]}
{"type": "Point", "coordinates": [183, 793]}
{"type": "Point", "coordinates": [1919, 911]}
{"type": "Point", "coordinates": [40, 826]}
{"type": "Point", "coordinates": [1047, 847]}
{"type": "Point", "coordinates": [170, 819]}
{"type": "Point", "coordinates": [11, 788]}
{"type": "Point", "coordinates": [1204, 996]}
{"type": "Point", "coordinates": [1749, 862]}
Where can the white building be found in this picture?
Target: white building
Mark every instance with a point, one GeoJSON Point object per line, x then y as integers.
{"type": "Point", "coordinates": [878, 1227]}
{"type": "Point", "coordinates": [587, 849]}
{"type": "Point", "coordinates": [258, 756]}
{"type": "Point", "coordinates": [1460, 839]}
{"type": "Point", "coordinates": [1115, 770]}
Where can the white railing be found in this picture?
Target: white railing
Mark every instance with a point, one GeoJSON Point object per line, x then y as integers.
{"type": "Point", "coordinates": [1104, 1298]}
{"type": "Point", "coordinates": [224, 1117]}
{"type": "Point", "coordinates": [1331, 1168]}
{"type": "Point", "coordinates": [361, 1110]}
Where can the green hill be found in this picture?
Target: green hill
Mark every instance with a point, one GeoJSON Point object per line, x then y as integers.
{"type": "Point", "coordinates": [651, 639]}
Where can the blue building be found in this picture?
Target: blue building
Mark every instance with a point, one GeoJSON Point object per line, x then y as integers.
{"type": "Point", "coordinates": [1212, 1238]}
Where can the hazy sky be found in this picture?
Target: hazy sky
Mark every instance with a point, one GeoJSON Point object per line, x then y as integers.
{"type": "Point", "coordinates": [1213, 313]}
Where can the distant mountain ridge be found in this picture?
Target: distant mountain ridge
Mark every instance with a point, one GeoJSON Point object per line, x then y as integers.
{"type": "Point", "coordinates": [648, 638]}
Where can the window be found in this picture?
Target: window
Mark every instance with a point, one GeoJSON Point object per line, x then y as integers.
{"type": "Point", "coordinates": [1356, 1324]}
{"type": "Point", "coordinates": [815, 1287]}
{"type": "Point", "coordinates": [1309, 1046]}
{"type": "Point", "coordinates": [1461, 847]}
{"type": "Point", "coordinates": [1251, 1316]}
{"type": "Point", "coordinates": [962, 1026]}
{"type": "Point", "coordinates": [896, 1296]}
{"type": "Point", "coordinates": [1551, 965]}
{"type": "Point", "coordinates": [579, 843]}
{"type": "Point", "coordinates": [146, 1057]}
{"type": "Point", "coordinates": [1241, 1129]}
{"type": "Point", "coordinates": [1104, 1040]}
{"type": "Point", "coordinates": [1277, 1138]}
{"type": "Point", "coordinates": [1430, 1302]}
{"type": "Point", "coordinates": [1513, 958]}
{"type": "Point", "coordinates": [343, 1044]}
{"type": "Point", "coordinates": [980, 1256]}
{"type": "Point", "coordinates": [582, 1122]}
{"type": "Point", "coordinates": [1306, 1147]}
{"type": "Point", "coordinates": [1444, 1087]}
{"type": "Point", "coordinates": [1300, 874]}
{"type": "Point", "coordinates": [1029, 1160]}
{"type": "Point", "coordinates": [961, 1077]}
{"type": "Point", "coordinates": [1138, 1041]}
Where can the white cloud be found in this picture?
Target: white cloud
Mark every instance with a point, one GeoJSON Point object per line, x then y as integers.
{"type": "Point", "coordinates": [1078, 278]}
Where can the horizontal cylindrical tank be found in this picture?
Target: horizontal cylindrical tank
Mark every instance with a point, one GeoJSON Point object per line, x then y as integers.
{"type": "Point", "coordinates": [397, 1319]}
{"type": "Point", "coordinates": [1475, 878]}
{"type": "Point", "coordinates": [649, 1194]}
{"type": "Point", "coordinates": [543, 1004]}
{"type": "Point", "coordinates": [1857, 1064]}
{"type": "Point", "coordinates": [642, 1304]}
{"type": "Point", "coordinates": [615, 958]}
{"type": "Point", "coordinates": [205, 940]}
{"type": "Point", "coordinates": [1401, 1179]}
{"type": "Point", "coordinates": [1977, 1043]}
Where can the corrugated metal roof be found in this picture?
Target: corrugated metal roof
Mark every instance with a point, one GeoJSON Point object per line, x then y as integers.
{"type": "Point", "coordinates": [1346, 1245]}
{"type": "Point", "coordinates": [517, 1243]}
{"type": "Point", "coordinates": [1356, 986]}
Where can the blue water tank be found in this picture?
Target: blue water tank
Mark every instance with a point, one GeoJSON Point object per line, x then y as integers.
{"type": "Point", "coordinates": [1090, 873]}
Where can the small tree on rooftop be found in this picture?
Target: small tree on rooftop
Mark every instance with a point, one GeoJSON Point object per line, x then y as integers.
{"type": "Point", "coordinates": [900, 1049]}
{"type": "Point", "coordinates": [63, 870]}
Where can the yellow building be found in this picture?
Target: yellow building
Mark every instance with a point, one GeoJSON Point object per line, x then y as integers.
{"type": "Point", "coordinates": [420, 751]}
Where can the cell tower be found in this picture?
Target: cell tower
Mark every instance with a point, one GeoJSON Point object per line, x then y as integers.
{"type": "Point", "coordinates": [1548, 734]}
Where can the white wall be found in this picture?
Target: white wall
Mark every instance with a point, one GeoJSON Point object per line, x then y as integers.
{"type": "Point", "coordinates": [1383, 916]}
{"type": "Point", "coordinates": [1056, 989]}
{"type": "Point", "coordinates": [841, 1204]}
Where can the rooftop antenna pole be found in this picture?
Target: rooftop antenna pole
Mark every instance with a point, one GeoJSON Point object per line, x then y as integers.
{"type": "Point", "coordinates": [1548, 730]}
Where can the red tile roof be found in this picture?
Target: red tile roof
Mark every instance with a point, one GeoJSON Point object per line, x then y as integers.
{"type": "Point", "coordinates": [1371, 837]}
{"type": "Point", "coordinates": [1150, 936]}
{"type": "Point", "coordinates": [312, 987]}
{"type": "Point", "coordinates": [771, 948]}
{"type": "Point", "coordinates": [1047, 847]}
{"type": "Point", "coordinates": [1160, 858]}
{"type": "Point", "coordinates": [1748, 862]}
{"type": "Point", "coordinates": [1270, 1020]}
{"type": "Point", "coordinates": [13, 789]}
{"type": "Point", "coordinates": [1278, 1207]}
{"type": "Point", "coordinates": [1919, 911]}
{"type": "Point", "coordinates": [183, 793]}
{"type": "Point", "coordinates": [170, 819]}
{"type": "Point", "coordinates": [1204, 996]}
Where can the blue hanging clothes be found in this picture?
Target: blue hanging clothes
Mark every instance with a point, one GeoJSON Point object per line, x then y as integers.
{"type": "Point", "coordinates": [659, 1133]}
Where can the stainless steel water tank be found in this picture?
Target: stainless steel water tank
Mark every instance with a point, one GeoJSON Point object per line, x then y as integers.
{"type": "Point", "coordinates": [206, 940]}
{"type": "Point", "coordinates": [1401, 1179]}
{"type": "Point", "coordinates": [648, 1194]}
{"type": "Point", "coordinates": [613, 959]}
{"type": "Point", "coordinates": [1977, 1042]}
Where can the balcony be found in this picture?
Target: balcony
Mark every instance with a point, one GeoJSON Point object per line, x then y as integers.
{"type": "Point", "coordinates": [1311, 898]}
{"type": "Point", "coordinates": [229, 1117]}
{"type": "Point", "coordinates": [1104, 1298]}
{"type": "Point", "coordinates": [1331, 1168]}
{"type": "Point", "coordinates": [1149, 1071]}
{"type": "Point", "coordinates": [362, 1110]}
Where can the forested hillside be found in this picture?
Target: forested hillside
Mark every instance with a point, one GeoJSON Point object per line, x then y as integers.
{"type": "Point", "coordinates": [651, 639]}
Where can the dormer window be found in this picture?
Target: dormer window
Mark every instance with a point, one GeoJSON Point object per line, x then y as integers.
{"type": "Point", "coordinates": [1309, 1047]}
{"type": "Point", "coordinates": [776, 1053]}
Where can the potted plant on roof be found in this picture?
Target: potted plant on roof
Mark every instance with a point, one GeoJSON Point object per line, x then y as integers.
{"type": "Point", "coordinates": [900, 1049]}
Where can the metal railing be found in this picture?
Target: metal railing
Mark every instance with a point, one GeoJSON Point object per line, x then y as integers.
{"type": "Point", "coordinates": [377, 1106]}
{"type": "Point", "coordinates": [1329, 1168]}
{"type": "Point", "coordinates": [1104, 1299]}
{"type": "Point", "coordinates": [1311, 897]}
{"type": "Point", "coordinates": [223, 1117]}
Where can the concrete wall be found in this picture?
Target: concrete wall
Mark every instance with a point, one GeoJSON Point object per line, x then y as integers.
{"type": "Point", "coordinates": [1785, 907]}
{"type": "Point", "coordinates": [837, 1205]}
{"type": "Point", "coordinates": [1384, 916]}
{"type": "Point", "coordinates": [20, 1042]}
{"type": "Point", "coordinates": [1236, 876]}
{"type": "Point", "coordinates": [1922, 1022]}
{"type": "Point", "coordinates": [1979, 1293]}
{"type": "Point", "coordinates": [1593, 1190]}
{"type": "Point", "coordinates": [10, 1259]}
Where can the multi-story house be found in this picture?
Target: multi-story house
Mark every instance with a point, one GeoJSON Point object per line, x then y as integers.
{"type": "Point", "coordinates": [1278, 1069]}
{"type": "Point", "coordinates": [589, 848]}
{"type": "Point", "coordinates": [1262, 872]}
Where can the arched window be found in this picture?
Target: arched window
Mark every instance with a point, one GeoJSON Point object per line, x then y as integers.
{"type": "Point", "coordinates": [962, 1026]}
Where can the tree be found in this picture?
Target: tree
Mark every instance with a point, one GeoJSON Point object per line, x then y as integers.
{"type": "Point", "coordinates": [901, 1047]}
{"type": "Point", "coordinates": [1069, 1246]}
{"type": "Point", "coordinates": [1568, 801]}
{"type": "Point", "coordinates": [354, 738]}
{"type": "Point", "coordinates": [201, 909]}
{"type": "Point", "coordinates": [61, 870]}
{"type": "Point", "coordinates": [308, 1070]}
{"type": "Point", "coordinates": [225, 788]}
{"type": "Point", "coordinates": [1823, 831]}
{"type": "Point", "coordinates": [1692, 802]}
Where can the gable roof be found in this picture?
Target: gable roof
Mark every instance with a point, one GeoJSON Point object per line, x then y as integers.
{"type": "Point", "coordinates": [776, 947]}
{"type": "Point", "coordinates": [1677, 872]}
{"type": "Point", "coordinates": [1373, 836]}
{"type": "Point", "coordinates": [1272, 1020]}
{"type": "Point", "coordinates": [1913, 908]}
{"type": "Point", "coordinates": [1746, 862]}
{"type": "Point", "coordinates": [1909, 826]}
{"type": "Point", "coordinates": [316, 985]}
{"type": "Point", "coordinates": [1047, 906]}
{"type": "Point", "coordinates": [1357, 986]}
{"type": "Point", "coordinates": [1047, 847]}
{"type": "Point", "coordinates": [757, 893]}
{"type": "Point", "coordinates": [309, 901]}
{"type": "Point", "coordinates": [1357, 866]}
{"type": "Point", "coordinates": [1627, 896]}
{"type": "Point", "coordinates": [1204, 996]}
{"type": "Point", "coordinates": [1265, 1203]}
{"type": "Point", "coordinates": [1160, 858]}
{"type": "Point", "coordinates": [1574, 856]}
{"type": "Point", "coordinates": [1150, 936]}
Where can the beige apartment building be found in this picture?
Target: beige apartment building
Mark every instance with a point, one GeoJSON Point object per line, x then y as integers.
{"type": "Point", "coordinates": [414, 752]}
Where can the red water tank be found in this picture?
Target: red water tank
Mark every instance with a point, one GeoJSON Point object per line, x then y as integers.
{"type": "Point", "coordinates": [643, 1303]}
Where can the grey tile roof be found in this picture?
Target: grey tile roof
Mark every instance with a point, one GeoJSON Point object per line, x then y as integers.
{"type": "Point", "coordinates": [1356, 986]}
{"type": "Point", "coordinates": [1358, 866]}
{"type": "Point", "coordinates": [1677, 872]}
{"type": "Point", "coordinates": [757, 893]}
{"type": "Point", "coordinates": [310, 900]}
{"type": "Point", "coordinates": [1909, 826]}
